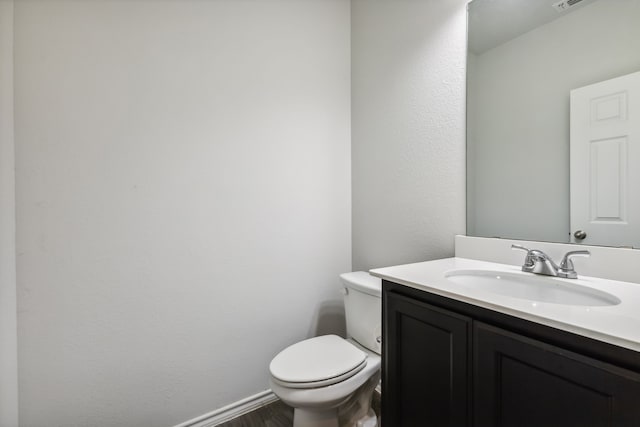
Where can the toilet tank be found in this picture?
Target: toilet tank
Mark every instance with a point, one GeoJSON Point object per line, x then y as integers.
{"type": "Point", "coordinates": [363, 308]}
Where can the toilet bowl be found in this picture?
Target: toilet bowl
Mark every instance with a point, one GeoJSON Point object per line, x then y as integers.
{"type": "Point", "coordinates": [329, 380]}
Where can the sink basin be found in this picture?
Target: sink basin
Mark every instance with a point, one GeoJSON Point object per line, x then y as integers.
{"type": "Point", "coordinates": [532, 287]}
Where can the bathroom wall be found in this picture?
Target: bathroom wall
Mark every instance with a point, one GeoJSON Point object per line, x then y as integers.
{"type": "Point", "coordinates": [408, 141]}
{"type": "Point", "coordinates": [594, 43]}
{"type": "Point", "coordinates": [8, 343]}
{"type": "Point", "coordinates": [183, 200]}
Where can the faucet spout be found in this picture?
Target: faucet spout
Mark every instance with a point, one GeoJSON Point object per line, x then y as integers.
{"type": "Point", "coordinates": [537, 262]}
{"type": "Point", "coordinates": [542, 264]}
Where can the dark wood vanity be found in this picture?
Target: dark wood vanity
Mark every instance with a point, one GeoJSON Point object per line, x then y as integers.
{"type": "Point", "coordinates": [451, 363]}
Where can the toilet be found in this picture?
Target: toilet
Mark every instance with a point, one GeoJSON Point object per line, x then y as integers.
{"type": "Point", "coordinates": [329, 380]}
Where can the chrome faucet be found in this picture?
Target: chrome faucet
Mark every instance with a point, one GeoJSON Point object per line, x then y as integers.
{"type": "Point", "coordinates": [538, 262]}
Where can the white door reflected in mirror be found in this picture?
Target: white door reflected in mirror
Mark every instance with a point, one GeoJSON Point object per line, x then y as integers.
{"type": "Point", "coordinates": [604, 152]}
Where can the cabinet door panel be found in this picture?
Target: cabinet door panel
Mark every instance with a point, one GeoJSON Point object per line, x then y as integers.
{"type": "Point", "coordinates": [426, 369]}
{"type": "Point", "coordinates": [523, 382]}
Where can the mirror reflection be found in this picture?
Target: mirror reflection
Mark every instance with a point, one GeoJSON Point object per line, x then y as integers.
{"type": "Point", "coordinates": [553, 121]}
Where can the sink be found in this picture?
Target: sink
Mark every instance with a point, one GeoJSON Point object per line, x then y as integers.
{"type": "Point", "coordinates": [531, 287]}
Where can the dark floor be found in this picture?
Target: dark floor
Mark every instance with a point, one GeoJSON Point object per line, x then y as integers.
{"type": "Point", "coordinates": [277, 414]}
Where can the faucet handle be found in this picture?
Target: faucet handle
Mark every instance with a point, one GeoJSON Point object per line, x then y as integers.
{"type": "Point", "coordinates": [522, 248]}
{"type": "Point", "coordinates": [566, 265]}
{"type": "Point", "coordinates": [566, 262]}
{"type": "Point", "coordinates": [528, 260]}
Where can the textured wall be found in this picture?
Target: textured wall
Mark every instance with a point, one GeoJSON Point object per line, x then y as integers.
{"type": "Point", "coordinates": [8, 351]}
{"type": "Point", "coordinates": [183, 200]}
{"type": "Point", "coordinates": [408, 142]}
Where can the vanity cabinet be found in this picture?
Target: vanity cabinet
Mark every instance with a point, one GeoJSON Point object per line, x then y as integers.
{"type": "Point", "coordinates": [449, 363]}
{"type": "Point", "coordinates": [523, 382]}
{"type": "Point", "coordinates": [427, 352]}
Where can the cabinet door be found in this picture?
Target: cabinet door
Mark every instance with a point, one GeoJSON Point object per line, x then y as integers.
{"type": "Point", "coordinates": [426, 354]}
{"type": "Point", "coordinates": [523, 382]}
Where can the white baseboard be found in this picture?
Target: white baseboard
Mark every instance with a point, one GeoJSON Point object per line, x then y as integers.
{"type": "Point", "coordinates": [231, 411]}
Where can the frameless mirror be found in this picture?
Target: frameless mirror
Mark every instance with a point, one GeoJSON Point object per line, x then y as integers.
{"type": "Point", "coordinates": [553, 121]}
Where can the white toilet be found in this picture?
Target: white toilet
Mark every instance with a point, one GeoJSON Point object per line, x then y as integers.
{"type": "Point", "coordinates": [329, 380]}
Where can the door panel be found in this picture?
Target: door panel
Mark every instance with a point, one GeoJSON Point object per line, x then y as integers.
{"type": "Point", "coordinates": [522, 382]}
{"type": "Point", "coordinates": [426, 368]}
{"type": "Point", "coordinates": [605, 162]}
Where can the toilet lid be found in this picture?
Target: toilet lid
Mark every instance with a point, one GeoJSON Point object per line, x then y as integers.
{"type": "Point", "coordinates": [321, 361]}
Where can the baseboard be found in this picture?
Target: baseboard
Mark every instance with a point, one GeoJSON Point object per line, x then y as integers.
{"type": "Point", "coordinates": [231, 411]}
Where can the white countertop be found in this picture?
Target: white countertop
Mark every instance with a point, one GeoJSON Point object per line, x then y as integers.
{"type": "Point", "coordinates": [616, 324]}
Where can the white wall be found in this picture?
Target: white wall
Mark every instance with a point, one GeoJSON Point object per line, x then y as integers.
{"type": "Point", "coordinates": [521, 116]}
{"type": "Point", "coordinates": [183, 200]}
{"type": "Point", "coordinates": [8, 343]}
{"type": "Point", "coordinates": [408, 141]}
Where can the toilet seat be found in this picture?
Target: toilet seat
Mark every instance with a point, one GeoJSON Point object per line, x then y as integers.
{"type": "Point", "coordinates": [317, 362]}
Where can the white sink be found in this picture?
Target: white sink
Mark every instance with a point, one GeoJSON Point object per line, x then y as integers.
{"type": "Point", "coordinates": [531, 287]}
